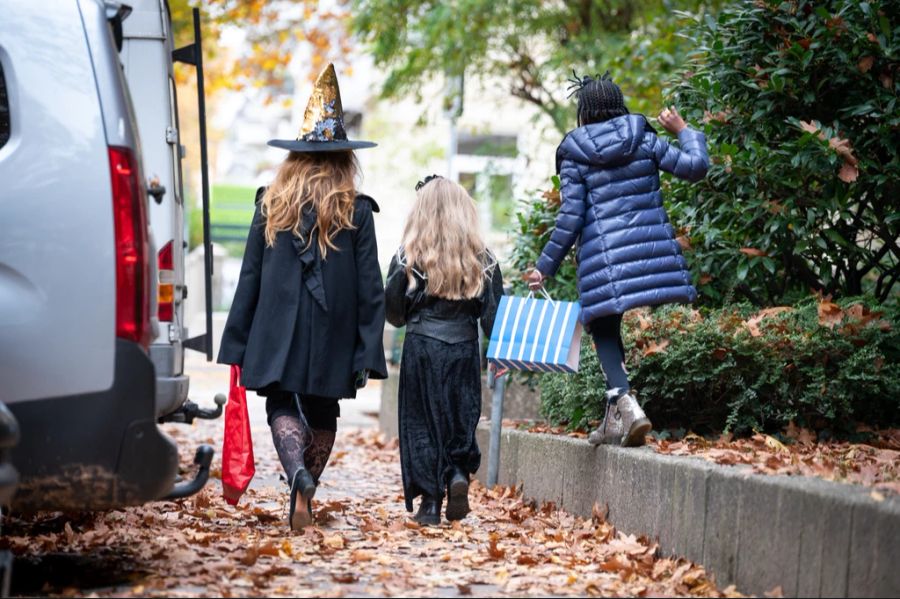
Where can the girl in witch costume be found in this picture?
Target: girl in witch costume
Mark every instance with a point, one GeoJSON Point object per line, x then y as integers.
{"type": "Point", "coordinates": [307, 319]}
{"type": "Point", "coordinates": [441, 282]}
{"type": "Point", "coordinates": [627, 253]}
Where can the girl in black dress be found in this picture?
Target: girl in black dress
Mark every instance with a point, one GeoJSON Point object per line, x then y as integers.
{"type": "Point", "coordinates": [307, 319]}
{"type": "Point", "coordinates": [441, 282]}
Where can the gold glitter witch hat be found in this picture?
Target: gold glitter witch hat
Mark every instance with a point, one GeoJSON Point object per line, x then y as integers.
{"type": "Point", "coordinates": [323, 121]}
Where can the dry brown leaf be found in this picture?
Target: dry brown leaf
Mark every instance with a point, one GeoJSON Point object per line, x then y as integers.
{"type": "Point", "coordinates": [866, 63]}
{"type": "Point", "coordinates": [335, 541]}
{"type": "Point", "coordinates": [753, 323]}
{"type": "Point", "coordinates": [848, 173]}
{"type": "Point", "coordinates": [656, 348]}
{"type": "Point", "coordinates": [830, 314]}
{"type": "Point", "coordinates": [494, 551]}
{"type": "Point", "coordinates": [362, 555]}
{"type": "Point", "coordinates": [753, 252]}
{"type": "Point", "coordinates": [250, 556]}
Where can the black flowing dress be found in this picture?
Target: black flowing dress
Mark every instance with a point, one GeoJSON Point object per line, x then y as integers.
{"type": "Point", "coordinates": [440, 377]}
{"type": "Point", "coordinates": [305, 323]}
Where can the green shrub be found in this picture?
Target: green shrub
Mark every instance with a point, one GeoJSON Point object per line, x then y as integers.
{"type": "Point", "coordinates": [799, 102]}
{"type": "Point", "coordinates": [733, 369]}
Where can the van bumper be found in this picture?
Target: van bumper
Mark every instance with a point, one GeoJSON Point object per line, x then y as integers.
{"type": "Point", "coordinates": [97, 450]}
{"type": "Point", "coordinates": [171, 382]}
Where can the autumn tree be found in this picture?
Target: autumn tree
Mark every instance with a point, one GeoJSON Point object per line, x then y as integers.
{"type": "Point", "coordinates": [528, 46]}
{"type": "Point", "coordinates": [274, 31]}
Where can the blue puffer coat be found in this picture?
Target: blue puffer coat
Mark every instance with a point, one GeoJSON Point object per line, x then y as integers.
{"type": "Point", "coordinates": [627, 253]}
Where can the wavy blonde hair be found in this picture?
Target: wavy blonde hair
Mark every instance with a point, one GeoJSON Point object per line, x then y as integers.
{"type": "Point", "coordinates": [324, 182]}
{"type": "Point", "coordinates": [442, 239]}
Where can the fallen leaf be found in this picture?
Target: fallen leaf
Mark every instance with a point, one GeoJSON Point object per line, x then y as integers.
{"type": "Point", "coordinates": [335, 541]}
{"type": "Point", "coordinates": [656, 348]}
{"type": "Point", "coordinates": [495, 552]}
{"type": "Point", "coordinates": [848, 173]}
{"type": "Point", "coordinates": [344, 577]}
{"type": "Point", "coordinates": [250, 556]}
{"type": "Point", "coordinates": [866, 63]}
{"type": "Point", "coordinates": [753, 252]}
{"type": "Point", "coordinates": [753, 323]}
{"type": "Point", "coordinates": [830, 314]}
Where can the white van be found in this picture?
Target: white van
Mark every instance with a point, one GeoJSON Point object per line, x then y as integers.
{"type": "Point", "coordinates": [147, 57]}
{"type": "Point", "coordinates": [77, 267]}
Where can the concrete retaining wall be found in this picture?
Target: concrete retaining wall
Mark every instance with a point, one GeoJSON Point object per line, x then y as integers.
{"type": "Point", "coordinates": [809, 536]}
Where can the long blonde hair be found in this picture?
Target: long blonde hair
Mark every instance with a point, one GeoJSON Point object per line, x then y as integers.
{"type": "Point", "coordinates": [442, 239]}
{"type": "Point", "coordinates": [325, 182]}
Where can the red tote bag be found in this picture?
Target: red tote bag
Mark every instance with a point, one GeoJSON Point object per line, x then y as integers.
{"type": "Point", "coordinates": [237, 447]}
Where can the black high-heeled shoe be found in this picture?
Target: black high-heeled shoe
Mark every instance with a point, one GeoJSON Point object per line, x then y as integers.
{"type": "Point", "coordinates": [300, 515]}
{"type": "Point", "coordinates": [458, 496]}
{"type": "Point", "coordinates": [429, 513]}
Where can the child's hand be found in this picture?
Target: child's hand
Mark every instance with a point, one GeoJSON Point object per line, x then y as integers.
{"type": "Point", "coordinates": [671, 120]}
{"type": "Point", "coordinates": [535, 280]}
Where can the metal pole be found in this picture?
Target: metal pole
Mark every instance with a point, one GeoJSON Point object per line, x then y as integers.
{"type": "Point", "coordinates": [204, 180]}
{"type": "Point", "coordinates": [499, 386]}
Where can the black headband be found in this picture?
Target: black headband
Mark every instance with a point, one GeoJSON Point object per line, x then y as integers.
{"type": "Point", "coordinates": [427, 180]}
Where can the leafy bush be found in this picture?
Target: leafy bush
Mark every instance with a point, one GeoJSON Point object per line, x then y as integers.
{"type": "Point", "coordinates": [799, 103]}
{"type": "Point", "coordinates": [820, 364]}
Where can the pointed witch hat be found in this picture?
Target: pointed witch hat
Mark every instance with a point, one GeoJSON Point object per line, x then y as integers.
{"type": "Point", "coordinates": [323, 121]}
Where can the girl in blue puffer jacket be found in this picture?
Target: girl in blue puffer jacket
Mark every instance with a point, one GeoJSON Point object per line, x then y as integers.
{"type": "Point", "coordinates": [627, 253]}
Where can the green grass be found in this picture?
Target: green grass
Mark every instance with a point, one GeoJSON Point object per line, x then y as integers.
{"type": "Point", "coordinates": [228, 205]}
{"type": "Point", "coordinates": [231, 204]}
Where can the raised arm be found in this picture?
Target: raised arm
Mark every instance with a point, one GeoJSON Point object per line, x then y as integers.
{"type": "Point", "coordinates": [569, 221]}
{"type": "Point", "coordinates": [691, 161]}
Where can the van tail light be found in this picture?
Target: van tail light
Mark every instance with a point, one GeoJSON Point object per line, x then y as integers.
{"type": "Point", "coordinates": [166, 286]}
{"type": "Point", "coordinates": [132, 248]}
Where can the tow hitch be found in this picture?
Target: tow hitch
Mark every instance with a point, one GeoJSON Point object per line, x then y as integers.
{"type": "Point", "coordinates": [203, 459]}
{"type": "Point", "coordinates": [189, 411]}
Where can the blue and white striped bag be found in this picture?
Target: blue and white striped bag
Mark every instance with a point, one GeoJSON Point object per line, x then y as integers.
{"type": "Point", "coordinates": [539, 335]}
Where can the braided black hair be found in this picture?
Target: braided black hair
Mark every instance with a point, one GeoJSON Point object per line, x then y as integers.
{"type": "Point", "coordinates": [599, 98]}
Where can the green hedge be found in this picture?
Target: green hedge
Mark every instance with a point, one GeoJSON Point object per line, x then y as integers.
{"type": "Point", "coordinates": [738, 370]}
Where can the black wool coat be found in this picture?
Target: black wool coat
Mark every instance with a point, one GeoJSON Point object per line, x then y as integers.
{"type": "Point", "coordinates": [305, 324]}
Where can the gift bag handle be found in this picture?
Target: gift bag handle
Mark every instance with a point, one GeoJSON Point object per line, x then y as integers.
{"type": "Point", "coordinates": [543, 292]}
{"type": "Point", "coordinates": [235, 376]}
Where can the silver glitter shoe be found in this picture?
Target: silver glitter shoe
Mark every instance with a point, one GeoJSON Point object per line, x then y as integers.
{"type": "Point", "coordinates": [625, 422]}
{"type": "Point", "coordinates": [610, 430]}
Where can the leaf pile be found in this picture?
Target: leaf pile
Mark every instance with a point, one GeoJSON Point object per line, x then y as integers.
{"type": "Point", "coordinates": [873, 464]}
{"type": "Point", "coordinates": [364, 542]}
{"type": "Point", "coordinates": [877, 467]}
